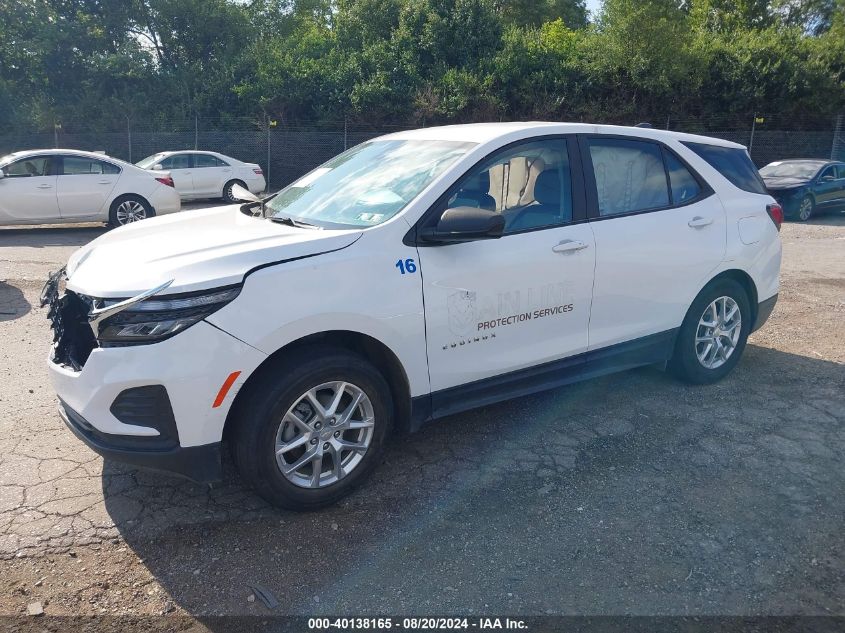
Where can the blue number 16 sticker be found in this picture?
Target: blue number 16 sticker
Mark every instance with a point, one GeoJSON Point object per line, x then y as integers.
{"type": "Point", "coordinates": [406, 266]}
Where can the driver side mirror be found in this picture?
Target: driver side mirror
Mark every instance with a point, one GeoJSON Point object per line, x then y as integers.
{"type": "Point", "coordinates": [2, 174]}
{"type": "Point", "coordinates": [827, 178]}
{"type": "Point", "coordinates": [464, 224]}
{"type": "Point", "coordinates": [158, 167]}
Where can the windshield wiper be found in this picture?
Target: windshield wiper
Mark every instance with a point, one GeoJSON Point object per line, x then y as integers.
{"type": "Point", "coordinates": [291, 222]}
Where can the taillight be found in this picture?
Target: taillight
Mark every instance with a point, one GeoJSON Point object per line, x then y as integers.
{"type": "Point", "coordinates": [775, 212]}
{"type": "Point", "coordinates": [258, 171]}
{"type": "Point", "coordinates": [166, 180]}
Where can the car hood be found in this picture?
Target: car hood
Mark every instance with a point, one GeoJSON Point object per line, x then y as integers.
{"type": "Point", "coordinates": [785, 182]}
{"type": "Point", "coordinates": [200, 249]}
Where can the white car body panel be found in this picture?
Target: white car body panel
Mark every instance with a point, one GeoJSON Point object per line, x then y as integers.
{"type": "Point", "coordinates": [635, 276]}
{"type": "Point", "coordinates": [67, 198]}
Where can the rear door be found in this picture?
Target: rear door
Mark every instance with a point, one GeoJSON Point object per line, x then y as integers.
{"type": "Point", "coordinates": [84, 186]}
{"type": "Point", "coordinates": [209, 175]}
{"type": "Point", "coordinates": [659, 232]}
{"type": "Point", "coordinates": [28, 191]}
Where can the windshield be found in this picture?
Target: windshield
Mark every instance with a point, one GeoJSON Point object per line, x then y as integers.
{"type": "Point", "coordinates": [793, 170]}
{"type": "Point", "coordinates": [366, 185]}
{"type": "Point", "coordinates": [149, 161]}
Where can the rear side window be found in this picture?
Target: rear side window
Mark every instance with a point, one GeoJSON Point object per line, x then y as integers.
{"type": "Point", "coordinates": [629, 176]}
{"type": "Point", "coordinates": [80, 165]}
{"type": "Point", "coordinates": [206, 160]}
{"type": "Point", "coordinates": [733, 163]}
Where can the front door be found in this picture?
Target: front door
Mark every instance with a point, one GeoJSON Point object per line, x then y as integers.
{"type": "Point", "coordinates": [28, 191]}
{"type": "Point", "coordinates": [829, 188]}
{"type": "Point", "coordinates": [84, 186]}
{"type": "Point", "coordinates": [179, 166]}
{"type": "Point", "coordinates": [496, 306]}
{"type": "Point", "coordinates": [659, 230]}
{"type": "Point", "coordinates": [208, 175]}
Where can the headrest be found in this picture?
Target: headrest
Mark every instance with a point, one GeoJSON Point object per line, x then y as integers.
{"type": "Point", "coordinates": [479, 182]}
{"type": "Point", "coordinates": [547, 187]}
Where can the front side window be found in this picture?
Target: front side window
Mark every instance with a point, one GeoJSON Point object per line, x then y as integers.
{"type": "Point", "coordinates": [529, 184]}
{"type": "Point", "coordinates": [27, 167]}
{"type": "Point", "coordinates": [733, 163]}
{"type": "Point", "coordinates": [79, 165]}
{"type": "Point", "coordinates": [366, 185]}
{"type": "Point", "coordinates": [178, 161]}
{"type": "Point", "coordinates": [828, 174]}
{"type": "Point", "coordinates": [629, 175]}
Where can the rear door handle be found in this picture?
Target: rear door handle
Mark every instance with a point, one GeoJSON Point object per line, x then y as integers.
{"type": "Point", "coordinates": [45, 186]}
{"type": "Point", "coordinates": [699, 221]}
{"type": "Point", "coordinates": [104, 182]}
{"type": "Point", "coordinates": [569, 246]}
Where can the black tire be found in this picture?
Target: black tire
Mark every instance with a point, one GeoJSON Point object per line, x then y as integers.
{"type": "Point", "coordinates": [264, 404]}
{"type": "Point", "coordinates": [227, 191]}
{"type": "Point", "coordinates": [685, 363]}
{"type": "Point", "coordinates": [114, 210]}
{"type": "Point", "coordinates": [806, 209]}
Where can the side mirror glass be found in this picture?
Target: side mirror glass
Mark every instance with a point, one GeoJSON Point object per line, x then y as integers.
{"type": "Point", "coordinates": [464, 224]}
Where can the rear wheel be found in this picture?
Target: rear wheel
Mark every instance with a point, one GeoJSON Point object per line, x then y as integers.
{"type": "Point", "coordinates": [228, 195]}
{"type": "Point", "coordinates": [312, 427]}
{"type": "Point", "coordinates": [128, 209]}
{"type": "Point", "coordinates": [806, 209]}
{"type": "Point", "coordinates": [713, 334]}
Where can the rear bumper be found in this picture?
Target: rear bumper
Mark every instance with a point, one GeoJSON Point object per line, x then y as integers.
{"type": "Point", "coordinates": [198, 463]}
{"type": "Point", "coordinates": [764, 311]}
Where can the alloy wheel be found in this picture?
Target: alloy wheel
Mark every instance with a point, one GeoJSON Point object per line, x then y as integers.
{"type": "Point", "coordinates": [325, 434]}
{"type": "Point", "coordinates": [805, 210]}
{"type": "Point", "coordinates": [130, 211]}
{"type": "Point", "coordinates": [718, 332]}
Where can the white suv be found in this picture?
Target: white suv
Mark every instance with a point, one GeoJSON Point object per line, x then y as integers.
{"type": "Point", "coordinates": [412, 277]}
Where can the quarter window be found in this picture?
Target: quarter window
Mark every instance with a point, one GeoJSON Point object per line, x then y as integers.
{"type": "Point", "coordinates": [733, 163]}
{"type": "Point", "coordinates": [630, 176]}
{"type": "Point", "coordinates": [529, 184]}
{"type": "Point", "coordinates": [684, 185]}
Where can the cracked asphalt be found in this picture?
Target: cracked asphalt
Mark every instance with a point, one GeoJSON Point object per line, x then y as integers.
{"type": "Point", "coordinates": [629, 494]}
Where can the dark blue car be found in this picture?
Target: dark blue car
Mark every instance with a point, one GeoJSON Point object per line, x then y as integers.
{"type": "Point", "coordinates": [807, 186]}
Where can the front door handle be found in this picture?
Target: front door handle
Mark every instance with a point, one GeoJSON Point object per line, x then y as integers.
{"type": "Point", "coordinates": [569, 246]}
{"type": "Point", "coordinates": [104, 182]}
{"type": "Point", "coordinates": [699, 221]}
{"type": "Point", "coordinates": [45, 186]}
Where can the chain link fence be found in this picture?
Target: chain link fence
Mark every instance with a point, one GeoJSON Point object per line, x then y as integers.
{"type": "Point", "coordinates": [287, 151]}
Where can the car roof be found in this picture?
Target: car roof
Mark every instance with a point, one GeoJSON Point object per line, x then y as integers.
{"type": "Point", "coordinates": [54, 151]}
{"type": "Point", "coordinates": [486, 132]}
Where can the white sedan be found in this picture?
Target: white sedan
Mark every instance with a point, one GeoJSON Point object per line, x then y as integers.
{"type": "Point", "coordinates": [62, 185]}
{"type": "Point", "coordinates": [206, 174]}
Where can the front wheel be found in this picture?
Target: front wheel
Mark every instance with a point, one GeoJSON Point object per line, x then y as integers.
{"type": "Point", "coordinates": [312, 427]}
{"type": "Point", "coordinates": [713, 334]}
{"type": "Point", "coordinates": [806, 209]}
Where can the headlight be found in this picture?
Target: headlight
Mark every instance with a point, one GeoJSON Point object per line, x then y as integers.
{"type": "Point", "coordinates": [158, 318]}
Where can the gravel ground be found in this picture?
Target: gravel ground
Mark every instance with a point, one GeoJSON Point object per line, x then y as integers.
{"type": "Point", "coordinates": [630, 494]}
